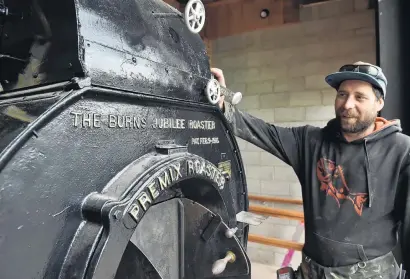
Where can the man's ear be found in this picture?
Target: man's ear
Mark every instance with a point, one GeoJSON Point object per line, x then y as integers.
{"type": "Point", "coordinates": [380, 104]}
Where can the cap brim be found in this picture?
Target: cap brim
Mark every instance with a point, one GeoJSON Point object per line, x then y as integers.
{"type": "Point", "coordinates": [336, 79]}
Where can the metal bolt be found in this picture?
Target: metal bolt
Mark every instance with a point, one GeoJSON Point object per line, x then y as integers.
{"type": "Point", "coordinates": [117, 214]}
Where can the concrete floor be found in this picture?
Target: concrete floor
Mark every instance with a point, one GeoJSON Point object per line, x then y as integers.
{"type": "Point", "coordinates": [262, 271]}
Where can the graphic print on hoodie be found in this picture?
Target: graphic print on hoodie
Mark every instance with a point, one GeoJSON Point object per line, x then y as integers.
{"type": "Point", "coordinates": [351, 199]}
{"type": "Point", "coordinates": [333, 183]}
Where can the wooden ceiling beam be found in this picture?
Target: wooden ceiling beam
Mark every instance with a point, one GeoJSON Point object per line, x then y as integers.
{"type": "Point", "coordinates": [231, 17]}
{"type": "Point", "coordinates": [221, 2]}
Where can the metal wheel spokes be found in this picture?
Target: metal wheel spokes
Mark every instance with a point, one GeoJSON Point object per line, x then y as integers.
{"type": "Point", "coordinates": [195, 15]}
{"type": "Point", "coordinates": [213, 91]}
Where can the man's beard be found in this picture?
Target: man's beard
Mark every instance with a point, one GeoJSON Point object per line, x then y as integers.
{"type": "Point", "coordinates": [359, 126]}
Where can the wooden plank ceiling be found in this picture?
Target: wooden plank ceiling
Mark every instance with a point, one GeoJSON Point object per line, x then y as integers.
{"type": "Point", "coordinates": [231, 17]}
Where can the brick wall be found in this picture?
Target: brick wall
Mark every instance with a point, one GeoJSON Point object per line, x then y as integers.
{"type": "Point", "coordinates": [281, 73]}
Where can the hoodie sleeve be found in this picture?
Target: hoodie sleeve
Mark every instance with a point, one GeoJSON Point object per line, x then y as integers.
{"type": "Point", "coordinates": [402, 207]}
{"type": "Point", "coordinates": [284, 143]}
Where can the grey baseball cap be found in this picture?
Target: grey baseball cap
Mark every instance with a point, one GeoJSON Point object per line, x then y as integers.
{"type": "Point", "coordinates": [359, 71]}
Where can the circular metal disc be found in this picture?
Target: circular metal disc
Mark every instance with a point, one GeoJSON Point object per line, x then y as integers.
{"type": "Point", "coordinates": [213, 91]}
{"type": "Point", "coordinates": [195, 15]}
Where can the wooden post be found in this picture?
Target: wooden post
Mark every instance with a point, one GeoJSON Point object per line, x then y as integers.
{"type": "Point", "coordinates": [276, 212]}
{"type": "Point", "coordinates": [275, 199]}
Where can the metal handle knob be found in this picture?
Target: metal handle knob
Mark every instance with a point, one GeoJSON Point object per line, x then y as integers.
{"type": "Point", "coordinates": [231, 232]}
{"type": "Point", "coordinates": [231, 97]}
{"type": "Point", "coordinates": [219, 266]}
{"type": "Point", "coordinates": [214, 91]}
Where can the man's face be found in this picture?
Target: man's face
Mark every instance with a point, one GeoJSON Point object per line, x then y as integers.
{"type": "Point", "coordinates": [356, 106]}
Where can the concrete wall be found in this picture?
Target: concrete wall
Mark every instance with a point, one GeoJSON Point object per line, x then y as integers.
{"type": "Point", "coordinates": [281, 73]}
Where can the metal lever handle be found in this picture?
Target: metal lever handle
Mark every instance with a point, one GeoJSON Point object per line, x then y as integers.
{"type": "Point", "coordinates": [219, 266]}
{"type": "Point", "coordinates": [229, 233]}
{"type": "Point", "coordinates": [214, 90]}
{"type": "Point", "coordinates": [4, 11]}
{"type": "Point", "coordinates": [231, 97]}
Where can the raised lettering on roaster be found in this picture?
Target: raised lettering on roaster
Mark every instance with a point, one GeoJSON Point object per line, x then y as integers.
{"type": "Point", "coordinates": [126, 121]}
{"type": "Point", "coordinates": [154, 189]}
{"type": "Point", "coordinates": [97, 120]}
{"type": "Point", "coordinates": [168, 123]}
{"type": "Point", "coordinates": [200, 167]}
{"type": "Point", "coordinates": [168, 177]}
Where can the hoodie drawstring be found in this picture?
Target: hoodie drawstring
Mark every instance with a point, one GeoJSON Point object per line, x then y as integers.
{"type": "Point", "coordinates": [369, 184]}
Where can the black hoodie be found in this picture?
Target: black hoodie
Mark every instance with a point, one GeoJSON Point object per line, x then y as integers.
{"type": "Point", "coordinates": [354, 194]}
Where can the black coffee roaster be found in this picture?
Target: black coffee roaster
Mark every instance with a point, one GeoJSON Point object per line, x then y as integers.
{"type": "Point", "coordinates": [115, 161]}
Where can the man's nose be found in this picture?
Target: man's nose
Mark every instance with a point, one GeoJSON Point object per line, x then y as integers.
{"type": "Point", "coordinates": [349, 103]}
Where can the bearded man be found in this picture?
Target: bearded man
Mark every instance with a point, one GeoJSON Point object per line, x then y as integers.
{"type": "Point", "coordinates": [354, 175]}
